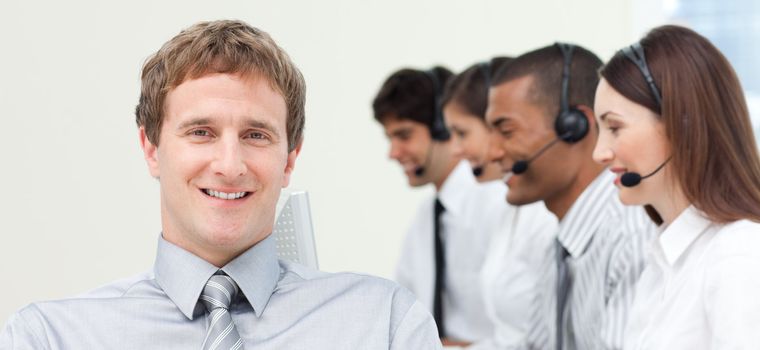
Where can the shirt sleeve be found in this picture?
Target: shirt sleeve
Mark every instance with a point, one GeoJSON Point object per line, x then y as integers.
{"type": "Point", "coordinates": [416, 330]}
{"type": "Point", "coordinates": [732, 287]}
{"type": "Point", "coordinates": [18, 333]}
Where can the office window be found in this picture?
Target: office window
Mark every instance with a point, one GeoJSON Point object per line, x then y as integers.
{"type": "Point", "coordinates": [734, 27]}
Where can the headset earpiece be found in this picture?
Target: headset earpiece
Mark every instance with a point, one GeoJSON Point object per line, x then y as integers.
{"type": "Point", "coordinates": [571, 124]}
{"type": "Point", "coordinates": [438, 130]}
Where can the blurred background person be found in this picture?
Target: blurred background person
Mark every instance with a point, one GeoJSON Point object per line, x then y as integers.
{"type": "Point", "coordinates": [445, 245]}
{"type": "Point", "coordinates": [510, 271]}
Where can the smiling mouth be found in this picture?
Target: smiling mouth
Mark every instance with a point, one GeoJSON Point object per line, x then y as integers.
{"type": "Point", "coordinates": [225, 195]}
{"type": "Point", "coordinates": [409, 167]}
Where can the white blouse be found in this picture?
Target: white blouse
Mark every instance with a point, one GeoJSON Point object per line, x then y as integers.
{"type": "Point", "coordinates": [700, 289]}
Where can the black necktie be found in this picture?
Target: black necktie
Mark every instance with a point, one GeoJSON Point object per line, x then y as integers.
{"type": "Point", "coordinates": [440, 270]}
{"type": "Point", "coordinates": [563, 289]}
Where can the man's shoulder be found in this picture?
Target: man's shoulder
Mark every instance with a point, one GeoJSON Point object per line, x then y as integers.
{"type": "Point", "coordinates": [294, 276]}
{"type": "Point", "coordinates": [140, 285]}
{"type": "Point", "coordinates": [35, 314]}
{"type": "Point", "coordinates": [627, 222]}
{"type": "Point", "coordinates": [627, 236]}
{"type": "Point", "coordinates": [354, 301]}
{"type": "Point", "coordinates": [294, 273]}
{"type": "Point", "coordinates": [121, 287]}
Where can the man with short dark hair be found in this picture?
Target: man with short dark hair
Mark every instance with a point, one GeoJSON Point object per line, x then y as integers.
{"type": "Point", "coordinates": [542, 121]}
{"type": "Point", "coordinates": [445, 245]}
{"type": "Point", "coordinates": [220, 118]}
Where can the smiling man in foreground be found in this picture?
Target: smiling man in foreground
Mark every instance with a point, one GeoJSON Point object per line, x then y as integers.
{"type": "Point", "coordinates": [220, 120]}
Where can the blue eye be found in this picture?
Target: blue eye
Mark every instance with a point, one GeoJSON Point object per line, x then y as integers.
{"type": "Point", "coordinates": [199, 132]}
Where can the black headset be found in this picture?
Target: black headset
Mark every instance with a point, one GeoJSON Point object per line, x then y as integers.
{"type": "Point", "coordinates": [635, 53]}
{"type": "Point", "coordinates": [438, 130]}
{"type": "Point", "coordinates": [571, 124]}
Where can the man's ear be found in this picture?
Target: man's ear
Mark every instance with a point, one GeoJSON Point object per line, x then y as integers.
{"type": "Point", "coordinates": [150, 152]}
{"type": "Point", "coordinates": [589, 113]}
{"type": "Point", "coordinates": [291, 164]}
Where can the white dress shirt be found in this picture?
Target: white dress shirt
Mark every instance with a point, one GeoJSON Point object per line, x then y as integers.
{"type": "Point", "coordinates": [701, 288]}
{"type": "Point", "coordinates": [473, 212]}
{"type": "Point", "coordinates": [607, 243]}
{"type": "Point", "coordinates": [511, 273]}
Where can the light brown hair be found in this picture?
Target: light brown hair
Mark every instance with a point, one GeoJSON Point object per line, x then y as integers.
{"type": "Point", "coordinates": [715, 158]}
{"type": "Point", "coordinates": [224, 46]}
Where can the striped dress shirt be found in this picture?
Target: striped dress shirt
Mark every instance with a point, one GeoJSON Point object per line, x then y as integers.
{"type": "Point", "coordinates": [607, 243]}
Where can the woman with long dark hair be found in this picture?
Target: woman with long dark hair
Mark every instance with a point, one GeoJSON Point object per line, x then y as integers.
{"type": "Point", "coordinates": [675, 127]}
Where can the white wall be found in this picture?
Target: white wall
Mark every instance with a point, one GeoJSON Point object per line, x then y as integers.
{"type": "Point", "coordinates": [78, 207]}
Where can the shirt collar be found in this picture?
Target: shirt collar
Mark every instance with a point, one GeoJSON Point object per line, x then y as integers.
{"type": "Point", "coordinates": [182, 275]}
{"type": "Point", "coordinates": [681, 233]}
{"type": "Point", "coordinates": [455, 187]}
{"type": "Point", "coordinates": [587, 213]}
{"type": "Point", "coordinates": [257, 272]}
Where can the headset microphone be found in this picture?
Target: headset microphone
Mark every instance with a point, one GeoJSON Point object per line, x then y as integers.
{"type": "Point", "coordinates": [477, 171]}
{"type": "Point", "coordinates": [521, 166]}
{"type": "Point", "coordinates": [631, 179]}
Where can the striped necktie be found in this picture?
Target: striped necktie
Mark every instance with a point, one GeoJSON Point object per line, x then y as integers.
{"type": "Point", "coordinates": [217, 295]}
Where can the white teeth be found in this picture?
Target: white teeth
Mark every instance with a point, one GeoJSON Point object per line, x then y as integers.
{"type": "Point", "coordinates": [224, 195]}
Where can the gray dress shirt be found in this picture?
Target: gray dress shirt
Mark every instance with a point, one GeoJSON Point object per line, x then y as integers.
{"type": "Point", "coordinates": [283, 306]}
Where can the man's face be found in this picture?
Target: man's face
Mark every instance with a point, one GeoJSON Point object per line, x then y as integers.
{"type": "Point", "coordinates": [413, 148]}
{"type": "Point", "coordinates": [520, 128]}
{"type": "Point", "coordinates": [222, 160]}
